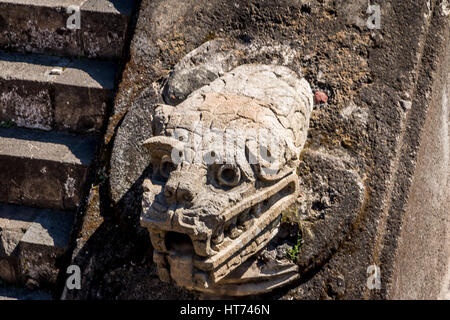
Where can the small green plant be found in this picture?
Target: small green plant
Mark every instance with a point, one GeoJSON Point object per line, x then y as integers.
{"type": "Point", "coordinates": [7, 124]}
{"type": "Point", "coordinates": [210, 36]}
{"type": "Point", "coordinates": [292, 254]}
{"type": "Point", "coordinates": [102, 175]}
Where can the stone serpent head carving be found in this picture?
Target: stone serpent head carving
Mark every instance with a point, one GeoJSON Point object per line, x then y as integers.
{"type": "Point", "coordinates": [224, 167]}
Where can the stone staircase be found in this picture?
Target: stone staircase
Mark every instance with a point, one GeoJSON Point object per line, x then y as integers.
{"type": "Point", "coordinates": [56, 86]}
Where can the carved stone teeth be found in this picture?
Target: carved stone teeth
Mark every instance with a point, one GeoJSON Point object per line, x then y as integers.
{"type": "Point", "coordinates": [219, 237]}
{"type": "Point", "coordinates": [234, 232]}
{"type": "Point", "coordinates": [245, 220]}
{"type": "Point", "coordinates": [257, 210]}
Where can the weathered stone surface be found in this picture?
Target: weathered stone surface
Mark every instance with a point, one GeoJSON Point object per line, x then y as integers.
{"type": "Point", "coordinates": [332, 195]}
{"type": "Point", "coordinates": [214, 57]}
{"type": "Point", "coordinates": [422, 260]}
{"type": "Point", "coordinates": [131, 158]}
{"type": "Point", "coordinates": [197, 69]}
{"type": "Point", "coordinates": [8, 269]}
{"type": "Point", "coordinates": [41, 27]}
{"type": "Point", "coordinates": [212, 60]}
{"type": "Point", "coordinates": [43, 243]}
{"type": "Point", "coordinates": [43, 169]}
{"type": "Point", "coordinates": [75, 100]}
{"type": "Point", "coordinates": [9, 240]}
{"type": "Point", "coordinates": [320, 238]}
{"type": "Point", "coordinates": [31, 241]}
{"type": "Point", "coordinates": [323, 227]}
{"type": "Point", "coordinates": [14, 222]}
{"type": "Point", "coordinates": [49, 93]}
{"type": "Point", "coordinates": [258, 275]}
{"type": "Point", "coordinates": [49, 229]}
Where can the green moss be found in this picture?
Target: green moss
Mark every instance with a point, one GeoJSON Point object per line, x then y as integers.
{"type": "Point", "coordinates": [7, 124]}
{"type": "Point", "coordinates": [293, 253]}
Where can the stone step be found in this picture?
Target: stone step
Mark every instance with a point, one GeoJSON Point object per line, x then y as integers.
{"type": "Point", "coordinates": [43, 169]}
{"type": "Point", "coordinates": [31, 241]}
{"type": "Point", "coordinates": [52, 93]}
{"type": "Point", "coordinates": [41, 26]}
{"type": "Point", "coordinates": [13, 293]}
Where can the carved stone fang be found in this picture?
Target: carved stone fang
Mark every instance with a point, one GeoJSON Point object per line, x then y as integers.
{"type": "Point", "coordinates": [232, 253]}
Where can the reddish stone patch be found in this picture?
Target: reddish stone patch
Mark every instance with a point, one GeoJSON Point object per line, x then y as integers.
{"type": "Point", "coordinates": [320, 97]}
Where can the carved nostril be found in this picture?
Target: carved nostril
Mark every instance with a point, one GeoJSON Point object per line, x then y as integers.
{"type": "Point", "coordinates": [178, 195]}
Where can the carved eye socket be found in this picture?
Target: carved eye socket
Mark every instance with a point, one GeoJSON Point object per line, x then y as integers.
{"type": "Point", "coordinates": [166, 166]}
{"type": "Point", "coordinates": [229, 175]}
